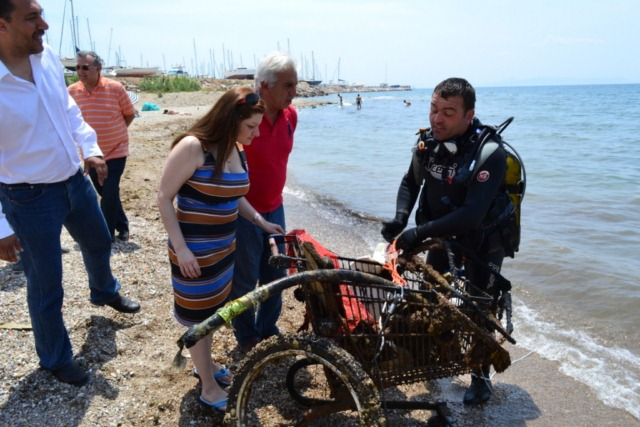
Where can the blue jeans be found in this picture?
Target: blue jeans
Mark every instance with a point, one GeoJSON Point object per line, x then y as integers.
{"type": "Point", "coordinates": [37, 214]}
{"type": "Point", "coordinates": [252, 256]}
{"type": "Point", "coordinates": [109, 191]}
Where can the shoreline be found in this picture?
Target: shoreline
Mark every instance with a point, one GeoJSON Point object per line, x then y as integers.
{"type": "Point", "coordinates": [129, 357]}
{"type": "Point", "coordinates": [304, 89]}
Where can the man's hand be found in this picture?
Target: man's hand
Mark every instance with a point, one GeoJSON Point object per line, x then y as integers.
{"type": "Point", "coordinates": [9, 248]}
{"type": "Point", "coordinates": [409, 239]}
{"type": "Point", "coordinates": [99, 165]}
{"type": "Point", "coordinates": [390, 229]}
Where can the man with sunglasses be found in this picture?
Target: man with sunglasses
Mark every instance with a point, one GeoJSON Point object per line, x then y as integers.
{"type": "Point", "coordinates": [106, 106]}
{"type": "Point", "coordinates": [452, 205]}
{"type": "Point", "coordinates": [276, 80]}
{"type": "Point", "coordinates": [43, 187]}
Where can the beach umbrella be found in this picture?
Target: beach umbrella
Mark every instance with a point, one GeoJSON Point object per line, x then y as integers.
{"type": "Point", "coordinates": [132, 96]}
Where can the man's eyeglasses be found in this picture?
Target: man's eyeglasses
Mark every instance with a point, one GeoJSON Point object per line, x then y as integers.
{"type": "Point", "coordinates": [84, 67]}
{"type": "Point", "coordinates": [251, 99]}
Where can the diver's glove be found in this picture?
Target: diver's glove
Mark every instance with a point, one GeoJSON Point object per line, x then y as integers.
{"type": "Point", "coordinates": [412, 237]}
{"type": "Point", "coordinates": [390, 229]}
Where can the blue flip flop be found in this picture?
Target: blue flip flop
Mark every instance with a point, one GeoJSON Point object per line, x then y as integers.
{"type": "Point", "coordinates": [216, 376]}
{"type": "Point", "coordinates": [222, 373]}
{"type": "Point", "coordinates": [217, 405]}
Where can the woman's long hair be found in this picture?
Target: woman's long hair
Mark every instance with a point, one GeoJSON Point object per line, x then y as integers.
{"type": "Point", "coordinates": [220, 125]}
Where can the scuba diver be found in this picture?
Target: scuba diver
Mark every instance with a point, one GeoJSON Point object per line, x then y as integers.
{"type": "Point", "coordinates": [462, 198]}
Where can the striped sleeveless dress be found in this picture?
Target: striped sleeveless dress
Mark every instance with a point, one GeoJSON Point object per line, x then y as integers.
{"type": "Point", "coordinates": [207, 212]}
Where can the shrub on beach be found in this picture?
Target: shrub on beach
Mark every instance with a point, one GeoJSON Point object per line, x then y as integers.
{"type": "Point", "coordinates": [162, 84]}
{"type": "Point", "coordinates": [70, 79]}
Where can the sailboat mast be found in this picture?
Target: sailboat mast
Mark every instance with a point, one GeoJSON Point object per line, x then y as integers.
{"type": "Point", "coordinates": [64, 13]}
{"type": "Point", "coordinates": [109, 51]}
{"type": "Point", "coordinates": [195, 54]}
{"type": "Point", "coordinates": [93, 48]}
{"type": "Point", "coordinates": [74, 29]}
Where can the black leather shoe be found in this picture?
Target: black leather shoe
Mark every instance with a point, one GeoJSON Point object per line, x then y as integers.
{"type": "Point", "coordinates": [71, 374]}
{"type": "Point", "coordinates": [123, 305]}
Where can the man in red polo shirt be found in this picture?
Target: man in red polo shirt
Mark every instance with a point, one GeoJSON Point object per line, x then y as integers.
{"type": "Point", "coordinates": [106, 106]}
{"type": "Point", "coordinates": [276, 80]}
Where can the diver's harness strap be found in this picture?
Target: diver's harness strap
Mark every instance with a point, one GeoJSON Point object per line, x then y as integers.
{"type": "Point", "coordinates": [482, 150]}
{"type": "Point", "coordinates": [476, 156]}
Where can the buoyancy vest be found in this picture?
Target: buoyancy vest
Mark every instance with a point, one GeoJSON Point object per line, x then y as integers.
{"type": "Point", "coordinates": [501, 226]}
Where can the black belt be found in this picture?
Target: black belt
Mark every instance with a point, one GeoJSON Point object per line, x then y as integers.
{"type": "Point", "coordinates": [26, 184]}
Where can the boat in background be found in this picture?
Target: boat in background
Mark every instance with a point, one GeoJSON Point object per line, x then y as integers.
{"type": "Point", "coordinates": [69, 63]}
{"type": "Point", "coordinates": [311, 82]}
{"type": "Point", "coordinates": [134, 72]}
{"type": "Point", "coordinates": [177, 71]}
{"type": "Point", "coordinates": [304, 72]}
{"type": "Point", "coordinates": [240, 74]}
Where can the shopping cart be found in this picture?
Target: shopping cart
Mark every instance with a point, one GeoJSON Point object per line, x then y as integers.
{"type": "Point", "coordinates": [363, 334]}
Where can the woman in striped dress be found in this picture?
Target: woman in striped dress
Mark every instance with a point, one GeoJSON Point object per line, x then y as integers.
{"type": "Point", "coordinates": [207, 172]}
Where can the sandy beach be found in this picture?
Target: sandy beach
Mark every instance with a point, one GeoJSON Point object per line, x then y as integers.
{"type": "Point", "coordinates": [129, 356]}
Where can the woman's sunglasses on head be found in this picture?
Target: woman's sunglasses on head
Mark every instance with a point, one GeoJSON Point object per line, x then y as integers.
{"type": "Point", "coordinates": [251, 99]}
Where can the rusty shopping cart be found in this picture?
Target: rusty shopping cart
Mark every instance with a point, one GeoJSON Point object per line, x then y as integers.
{"type": "Point", "coordinates": [362, 334]}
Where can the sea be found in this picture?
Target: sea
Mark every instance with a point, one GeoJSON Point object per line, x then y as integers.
{"type": "Point", "coordinates": [576, 277]}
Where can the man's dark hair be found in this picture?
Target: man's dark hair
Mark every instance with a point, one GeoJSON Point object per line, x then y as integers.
{"type": "Point", "coordinates": [456, 86]}
{"type": "Point", "coordinates": [6, 9]}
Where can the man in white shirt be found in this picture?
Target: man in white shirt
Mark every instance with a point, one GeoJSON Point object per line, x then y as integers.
{"type": "Point", "coordinates": [43, 188]}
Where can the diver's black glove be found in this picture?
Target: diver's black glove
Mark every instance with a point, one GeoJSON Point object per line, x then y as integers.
{"type": "Point", "coordinates": [390, 229]}
{"type": "Point", "coordinates": [411, 238]}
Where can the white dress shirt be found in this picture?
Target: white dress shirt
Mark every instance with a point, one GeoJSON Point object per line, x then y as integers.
{"type": "Point", "coordinates": [41, 128]}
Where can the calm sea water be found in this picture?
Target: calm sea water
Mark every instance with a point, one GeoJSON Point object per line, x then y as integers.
{"type": "Point", "coordinates": [576, 277]}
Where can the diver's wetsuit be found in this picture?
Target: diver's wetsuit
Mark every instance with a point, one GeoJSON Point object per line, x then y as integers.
{"type": "Point", "coordinates": [451, 209]}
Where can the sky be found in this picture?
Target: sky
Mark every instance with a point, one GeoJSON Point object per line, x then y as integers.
{"type": "Point", "coordinates": [406, 42]}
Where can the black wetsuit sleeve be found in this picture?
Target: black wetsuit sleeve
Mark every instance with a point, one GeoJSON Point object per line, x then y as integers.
{"type": "Point", "coordinates": [481, 191]}
{"type": "Point", "coordinates": [407, 193]}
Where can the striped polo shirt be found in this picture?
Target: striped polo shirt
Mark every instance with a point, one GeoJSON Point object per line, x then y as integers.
{"type": "Point", "coordinates": [104, 109]}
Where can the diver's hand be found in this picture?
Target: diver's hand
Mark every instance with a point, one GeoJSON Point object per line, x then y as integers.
{"type": "Point", "coordinates": [390, 229]}
{"type": "Point", "coordinates": [410, 238]}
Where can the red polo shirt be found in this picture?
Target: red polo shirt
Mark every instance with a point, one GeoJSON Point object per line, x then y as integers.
{"type": "Point", "coordinates": [267, 157]}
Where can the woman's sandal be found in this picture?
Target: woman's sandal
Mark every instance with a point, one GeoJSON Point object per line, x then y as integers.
{"type": "Point", "coordinates": [217, 405]}
{"type": "Point", "coordinates": [216, 376]}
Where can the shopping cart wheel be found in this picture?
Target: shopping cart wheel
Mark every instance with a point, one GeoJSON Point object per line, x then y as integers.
{"type": "Point", "coordinates": [295, 379]}
{"type": "Point", "coordinates": [306, 378]}
{"type": "Point", "coordinates": [439, 421]}
{"type": "Point", "coordinates": [443, 417]}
